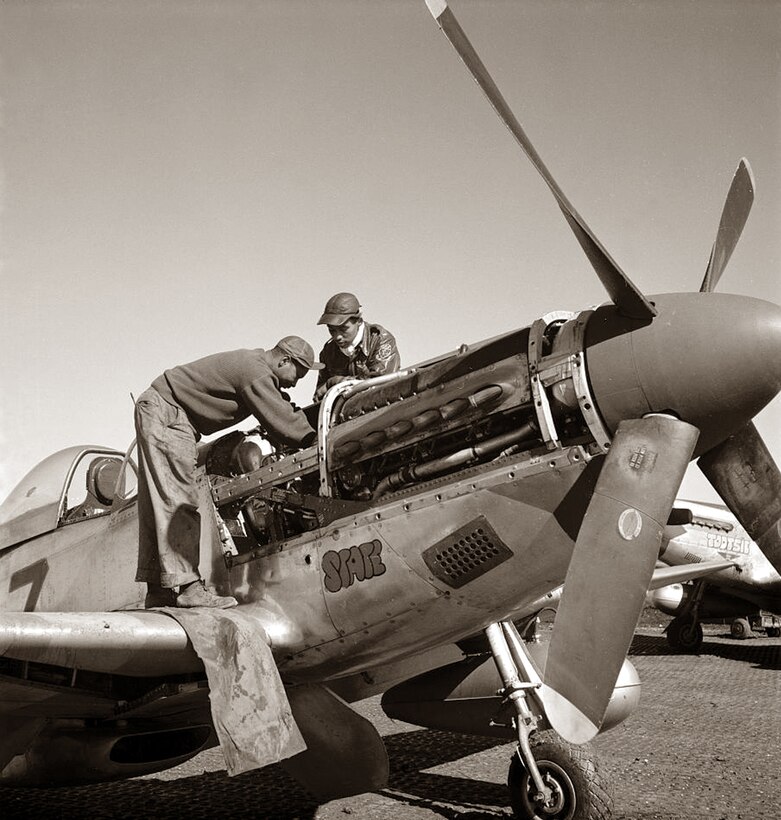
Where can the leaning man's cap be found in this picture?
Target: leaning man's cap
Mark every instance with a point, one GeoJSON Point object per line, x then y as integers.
{"type": "Point", "coordinates": [300, 351]}
{"type": "Point", "coordinates": [339, 308]}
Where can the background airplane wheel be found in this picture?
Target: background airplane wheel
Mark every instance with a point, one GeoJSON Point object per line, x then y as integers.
{"type": "Point", "coordinates": [580, 791]}
{"type": "Point", "coordinates": [673, 632]}
{"type": "Point", "coordinates": [684, 634]}
{"type": "Point", "coordinates": [690, 636]}
{"type": "Point", "coordinates": [740, 628]}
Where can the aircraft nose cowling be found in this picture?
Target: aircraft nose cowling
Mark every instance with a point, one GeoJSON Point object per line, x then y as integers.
{"type": "Point", "coordinates": [712, 359]}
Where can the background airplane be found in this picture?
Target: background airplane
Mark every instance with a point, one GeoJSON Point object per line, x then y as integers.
{"type": "Point", "coordinates": [743, 591]}
{"type": "Point", "coordinates": [436, 503]}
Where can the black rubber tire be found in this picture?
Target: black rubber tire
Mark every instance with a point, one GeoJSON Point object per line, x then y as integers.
{"type": "Point", "coordinates": [773, 632]}
{"type": "Point", "coordinates": [583, 792]}
{"type": "Point", "coordinates": [685, 635]}
{"type": "Point", "coordinates": [740, 629]}
{"type": "Point", "coordinates": [673, 632]}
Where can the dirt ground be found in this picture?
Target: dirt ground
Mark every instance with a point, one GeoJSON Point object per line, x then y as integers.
{"type": "Point", "coordinates": [705, 743]}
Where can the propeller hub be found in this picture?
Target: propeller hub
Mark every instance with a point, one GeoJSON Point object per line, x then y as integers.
{"type": "Point", "coordinates": [711, 359]}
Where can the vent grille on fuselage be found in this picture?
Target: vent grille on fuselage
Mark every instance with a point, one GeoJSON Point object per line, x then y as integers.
{"type": "Point", "coordinates": [467, 553]}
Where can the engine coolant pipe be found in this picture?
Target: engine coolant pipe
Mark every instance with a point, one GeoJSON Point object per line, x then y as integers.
{"type": "Point", "coordinates": [429, 469]}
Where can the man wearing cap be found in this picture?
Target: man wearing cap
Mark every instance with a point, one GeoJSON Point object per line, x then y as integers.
{"type": "Point", "coordinates": [184, 403]}
{"type": "Point", "coordinates": [356, 349]}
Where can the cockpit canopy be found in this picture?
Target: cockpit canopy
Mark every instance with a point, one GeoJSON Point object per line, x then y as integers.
{"type": "Point", "coordinates": [71, 485]}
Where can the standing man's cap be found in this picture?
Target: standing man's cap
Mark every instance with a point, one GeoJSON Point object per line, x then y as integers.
{"type": "Point", "coordinates": [300, 351]}
{"type": "Point", "coordinates": [340, 308]}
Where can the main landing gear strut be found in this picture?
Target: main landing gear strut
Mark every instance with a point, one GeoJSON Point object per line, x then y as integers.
{"type": "Point", "coordinates": [549, 779]}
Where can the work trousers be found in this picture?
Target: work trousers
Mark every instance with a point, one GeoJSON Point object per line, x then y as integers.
{"type": "Point", "coordinates": [169, 525]}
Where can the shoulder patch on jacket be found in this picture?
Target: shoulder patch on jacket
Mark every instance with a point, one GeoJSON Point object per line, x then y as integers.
{"type": "Point", "coordinates": [385, 350]}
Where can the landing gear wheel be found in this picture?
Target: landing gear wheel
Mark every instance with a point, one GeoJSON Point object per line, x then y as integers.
{"type": "Point", "coordinates": [579, 790]}
{"type": "Point", "coordinates": [684, 634]}
{"type": "Point", "coordinates": [740, 628]}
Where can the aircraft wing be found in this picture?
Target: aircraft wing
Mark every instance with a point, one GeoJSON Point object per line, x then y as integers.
{"type": "Point", "coordinates": [173, 671]}
{"type": "Point", "coordinates": [135, 643]}
{"type": "Point", "coordinates": [57, 668]}
{"type": "Point", "coordinates": [664, 576]}
{"type": "Point", "coordinates": [163, 645]}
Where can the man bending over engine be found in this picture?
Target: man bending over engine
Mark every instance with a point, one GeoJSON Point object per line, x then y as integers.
{"type": "Point", "coordinates": [183, 404]}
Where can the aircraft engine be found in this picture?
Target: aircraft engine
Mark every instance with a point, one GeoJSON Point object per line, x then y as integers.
{"type": "Point", "coordinates": [384, 437]}
{"type": "Point", "coordinates": [462, 697]}
{"type": "Point", "coordinates": [72, 752]}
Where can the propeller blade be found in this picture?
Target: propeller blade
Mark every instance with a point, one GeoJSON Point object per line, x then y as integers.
{"type": "Point", "coordinates": [611, 568]}
{"type": "Point", "coordinates": [737, 207]}
{"type": "Point", "coordinates": [621, 290]}
{"type": "Point", "coordinates": [744, 474]}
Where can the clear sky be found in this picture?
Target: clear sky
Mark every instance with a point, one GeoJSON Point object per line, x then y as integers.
{"type": "Point", "coordinates": [184, 177]}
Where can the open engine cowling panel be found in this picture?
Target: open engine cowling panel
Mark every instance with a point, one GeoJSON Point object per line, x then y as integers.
{"type": "Point", "coordinates": [381, 438]}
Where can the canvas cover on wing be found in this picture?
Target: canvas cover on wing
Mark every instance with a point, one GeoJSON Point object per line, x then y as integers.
{"type": "Point", "coordinates": [250, 709]}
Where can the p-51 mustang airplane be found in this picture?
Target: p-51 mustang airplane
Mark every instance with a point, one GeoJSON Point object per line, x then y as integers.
{"type": "Point", "coordinates": [749, 587]}
{"type": "Point", "coordinates": [436, 503]}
